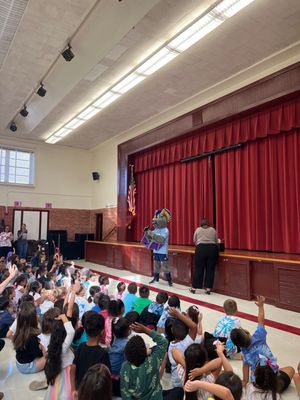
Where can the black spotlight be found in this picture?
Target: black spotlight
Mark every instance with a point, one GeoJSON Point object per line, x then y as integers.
{"type": "Point", "coordinates": [68, 54]}
{"type": "Point", "coordinates": [13, 127]}
{"type": "Point", "coordinates": [41, 91]}
{"type": "Point", "coordinates": [24, 112]}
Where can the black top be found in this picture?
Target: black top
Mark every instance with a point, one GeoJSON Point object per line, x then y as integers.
{"type": "Point", "coordinates": [30, 352]}
{"type": "Point", "coordinates": [87, 356]}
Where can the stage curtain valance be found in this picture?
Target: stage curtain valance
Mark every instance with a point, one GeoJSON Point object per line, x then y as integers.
{"type": "Point", "coordinates": [259, 124]}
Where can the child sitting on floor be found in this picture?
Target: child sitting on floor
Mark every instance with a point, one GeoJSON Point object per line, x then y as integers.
{"type": "Point", "coordinates": [130, 297]}
{"type": "Point", "coordinates": [121, 288]}
{"type": "Point", "coordinates": [142, 368]}
{"type": "Point", "coordinates": [173, 302]}
{"type": "Point", "coordinates": [226, 324]}
{"type": "Point", "coordinates": [30, 356]}
{"type": "Point", "coordinates": [151, 314]}
{"type": "Point", "coordinates": [255, 346]}
{"type": "Point", "coordinates": [89, 353]}
{"type": "Point", "coordinates": [142, 301]}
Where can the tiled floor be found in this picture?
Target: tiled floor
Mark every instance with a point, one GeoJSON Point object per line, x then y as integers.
{"type": "Point", "coordinates": [285, 345]}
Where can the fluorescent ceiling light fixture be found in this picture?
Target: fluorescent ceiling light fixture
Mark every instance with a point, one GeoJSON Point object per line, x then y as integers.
{"type": "Point", "coordinates": [196, 32]}
{"type": "Point", "coordinates": [62, 132]}
{"type": "Point", "coordinates": [230, 7]}
{"type": "Point", "coordinates": [52, 140]}
{"type": "Point", "coordinates": [75, 123]}
{"type": "Point", "coordinates": [157, 61]}
{"type": "Point", "coordinates": [106, 99]}
{"type": "Point", "coordinates": [185, 39]}
{"type": "Point", "coordinates": [128, 83]}
{"type": "Point", "coordinates": [88, 113]}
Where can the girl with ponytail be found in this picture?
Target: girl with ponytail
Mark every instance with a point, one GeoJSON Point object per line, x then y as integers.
{"type": "Point", "coordinates": [60, 357]}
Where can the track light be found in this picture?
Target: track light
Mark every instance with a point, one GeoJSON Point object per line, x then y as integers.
{"type": "Point", "coordinates": [13, 127]}
{"type": "Point", "coordinates": [68, 54]}
{"type": "Point", "coordinates": [24, 111]}
{"type": "Point", "coordinates": [41, 90]}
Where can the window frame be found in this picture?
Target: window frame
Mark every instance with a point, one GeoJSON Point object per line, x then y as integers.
{"type": "Point", "coordinates": [7, 166]}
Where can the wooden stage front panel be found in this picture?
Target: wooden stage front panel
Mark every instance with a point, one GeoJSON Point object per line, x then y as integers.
{"type": "Point", "coordinates": [241, 274]}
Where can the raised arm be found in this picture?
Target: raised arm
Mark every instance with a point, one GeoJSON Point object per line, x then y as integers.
{"type": "Point", "coordinates": [178, 357]}
{"type": "Point", "coordinates": [260, 302]}
{"type": "Point", "coordinates": [13, 270]}
{"type": "Point", "coordinates": [161, 343]}
{"type": "Point", "coordinates": [225, 362]}
{"type": "Point", "coordinates": [186, 320]}
{"type": "Point", "coordinates": [221, 392]}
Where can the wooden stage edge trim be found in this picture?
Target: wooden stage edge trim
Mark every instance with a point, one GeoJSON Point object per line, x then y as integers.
{"type": "Point", "coordinates": [223, 254]}
{"type": "Point", "coordinates": [272, 324]}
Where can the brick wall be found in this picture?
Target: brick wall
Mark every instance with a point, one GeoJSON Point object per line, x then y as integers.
{"type": "Point", "coordinates": [109, 222]}
{"type": "Point", "coordinates": [73, 220]}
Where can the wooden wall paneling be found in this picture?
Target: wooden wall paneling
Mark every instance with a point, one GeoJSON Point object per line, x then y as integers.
{"type": "Point", "coordinates": [118, 257]}
{"type": "Point", "coordinates": [282, 83]}
{"type": "Point", "coordinates": [220, 275]}
{"type": "Point", "coordinates": [263, 280]}
{"type": "Point", "coordinates": [287, 280]}
{"type": "Point", "coordinates": [141, 261]}
{"type": "Point", "coordinates": [95, 252]}
{"type": "Point", "coordinates": [181, 267]}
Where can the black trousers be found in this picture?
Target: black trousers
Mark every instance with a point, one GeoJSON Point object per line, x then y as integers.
{"type": "Point", "coordinates": [206, 257]}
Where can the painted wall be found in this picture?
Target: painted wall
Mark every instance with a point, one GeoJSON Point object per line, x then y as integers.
{"type": "Point", "coordinates": [62, 177]}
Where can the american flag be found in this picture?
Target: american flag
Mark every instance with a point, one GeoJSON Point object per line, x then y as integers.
{"type": "Point", "coordinates": [131, 194]}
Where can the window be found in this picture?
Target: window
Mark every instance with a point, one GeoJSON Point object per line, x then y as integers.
{"type": "Point", "coordinates": [16, 166]}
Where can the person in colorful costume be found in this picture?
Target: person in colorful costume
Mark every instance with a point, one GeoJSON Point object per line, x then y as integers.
{"type": "Point", "coordinates": [157, 240]}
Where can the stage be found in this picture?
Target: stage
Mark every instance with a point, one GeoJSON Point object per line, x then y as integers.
{"type": "Point", "coordinates": [241, 274]}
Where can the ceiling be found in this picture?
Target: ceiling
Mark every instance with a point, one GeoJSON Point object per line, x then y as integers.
{"type": "Point", "coordinates": [110, 37]}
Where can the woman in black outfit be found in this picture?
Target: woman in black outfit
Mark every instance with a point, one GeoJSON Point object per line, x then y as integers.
{"type": "Point", "coordinates": [206, 257]}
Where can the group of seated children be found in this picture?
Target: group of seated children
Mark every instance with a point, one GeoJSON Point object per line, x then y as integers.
{"type": "Point", "coordinates": [94, 344]}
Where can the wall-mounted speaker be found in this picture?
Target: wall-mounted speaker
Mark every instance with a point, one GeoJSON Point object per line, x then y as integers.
{"type": "Point", "coordinates": [96, 176]}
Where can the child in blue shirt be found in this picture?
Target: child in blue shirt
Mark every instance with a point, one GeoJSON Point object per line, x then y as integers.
{"type": "Point", "coordinates": [130, 297]}
{"type": "Point", "coordinates": [6, 319]}
{"type": "Point", "coordinates": [121, 332]}
{"type": "Point", "coordinates": [255, 346]}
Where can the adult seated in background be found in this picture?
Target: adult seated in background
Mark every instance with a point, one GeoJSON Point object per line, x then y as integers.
{"type": "Point", "coordinates": [6, 238]}
{"type": "Point", "coordinates": [206, 256]}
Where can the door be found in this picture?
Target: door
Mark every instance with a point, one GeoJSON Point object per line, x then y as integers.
{"type": "Point", "coordinates": [99, 227]}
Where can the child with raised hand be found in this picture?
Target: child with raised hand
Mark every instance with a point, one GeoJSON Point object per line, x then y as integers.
{"type": "Point", "coordinates": [142, 368]}
{"type": "Point", "coordinates": [226, 324]}
{"type": "Point", "coordinates": [184, 331]}
{"type": "Point", "coordinates": [30, 355]}
{"type": "Point", "coordinates": [195, 365]}
{"type": "Point", "coordinates": [59, 359]}
{"type": "Point", "coordinates": [195, 314]}
{"type": "Point", "coordinates": [255, 346]}
{"type": "Point", "coordinates": [96, 384]}
{"type": "Point", "coordinates": [228, 386]}
{"type": "Point", "coordinates": [12, 272]}
{"type": "Point", "coordinates": [89, 353]}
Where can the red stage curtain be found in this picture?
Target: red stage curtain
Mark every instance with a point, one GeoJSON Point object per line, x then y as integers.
{"type": "Point", "coordinates": [185, 189]}
{"type": "Point", "coordinates": [259, 124]}
{"type": "Point", "coordinates": [258, 194]}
